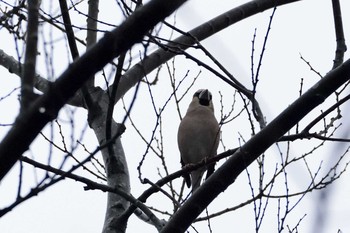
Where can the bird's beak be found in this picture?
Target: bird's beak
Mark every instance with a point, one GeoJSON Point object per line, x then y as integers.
{"type": "Point", "coordinates": [204, 97]}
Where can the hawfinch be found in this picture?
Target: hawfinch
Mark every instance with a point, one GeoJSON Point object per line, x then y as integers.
{"type": "Point", "coordinates": [198, 136]}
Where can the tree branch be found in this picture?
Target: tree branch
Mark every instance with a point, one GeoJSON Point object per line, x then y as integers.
{"type": "Point", "coordinates": [209, 28]}
{"type": "Point", "coordinates": [339, 33]}
{"type": "Point", "coordinates": [46, 108]}
{"type": "Point", "coordinates": [91, 36]}
{"type": "Point", "coordinates": [15, 67]}
{"type": "Point", "coordinates": [27, 94]}
{"type": "Point", "coordinates": [229, 171]}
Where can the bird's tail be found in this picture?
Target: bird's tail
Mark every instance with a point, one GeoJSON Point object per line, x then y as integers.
{"type": "Point", "coordinates": [196, 177]}
{"type": "Point", "coordinates": [187, 179]}
{"type": "Point", "coordinates": [210, 170]}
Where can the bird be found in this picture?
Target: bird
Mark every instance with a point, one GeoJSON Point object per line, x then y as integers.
{"type": "Point", "coordinates": [198, 136]}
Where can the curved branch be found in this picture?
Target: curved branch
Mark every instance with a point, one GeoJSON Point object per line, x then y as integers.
{"type": "Point", "coordinates": [209, 28]}
{"type": "Point", "coordinates": [184, 170]}
{"type": "Point", "coordinates": [46, 107]}
{"type": "Point", "coordinates": [92, 185]}
{"type": "Point", "coordinates": [40, 83]}
{"type": "Point", "coordinates": [229, 171]}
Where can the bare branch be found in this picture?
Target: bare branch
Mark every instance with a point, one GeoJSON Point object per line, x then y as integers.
{"type": "Point", "coordinates": [339, 33]}
{"type": "Point", "coordinates": [229, 171]}
{"type": "Point", "coordinates": [151, 62]}
{"type": "Point", "coordinates": [30, 56]}
{"type": "Point", "coordinates": [47, 106]}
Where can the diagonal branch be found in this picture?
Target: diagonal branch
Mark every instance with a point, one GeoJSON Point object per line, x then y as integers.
{"type": "Point", "coordinates": [40, 83]}
{"type": "Point", "coordinates": [92, 185]}
{"type": "Point", "coordinates": [74, 48]}
{"type": "Point", "coordinates": [46, 107]}
{"type": "Point", "coordinates": [251, 150]}
{"type": "Point", "coordinates": [209, 28]}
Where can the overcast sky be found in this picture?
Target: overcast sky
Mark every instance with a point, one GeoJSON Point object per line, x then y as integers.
{"type": "Point", "coordinates": [304, 28]}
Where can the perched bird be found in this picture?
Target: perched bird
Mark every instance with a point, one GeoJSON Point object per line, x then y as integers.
{"type": "Point", "coordinates": [198, 136]}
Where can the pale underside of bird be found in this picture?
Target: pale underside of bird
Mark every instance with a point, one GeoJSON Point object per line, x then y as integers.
{"type": "Point", "coordinates": [198, 136]}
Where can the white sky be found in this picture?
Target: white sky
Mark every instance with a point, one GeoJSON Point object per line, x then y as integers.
{"type": "Point", "coordinates": [304, 28]}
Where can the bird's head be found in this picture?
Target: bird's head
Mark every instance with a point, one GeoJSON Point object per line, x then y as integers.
{"type": "Point", "coordinates": [204, 96]}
